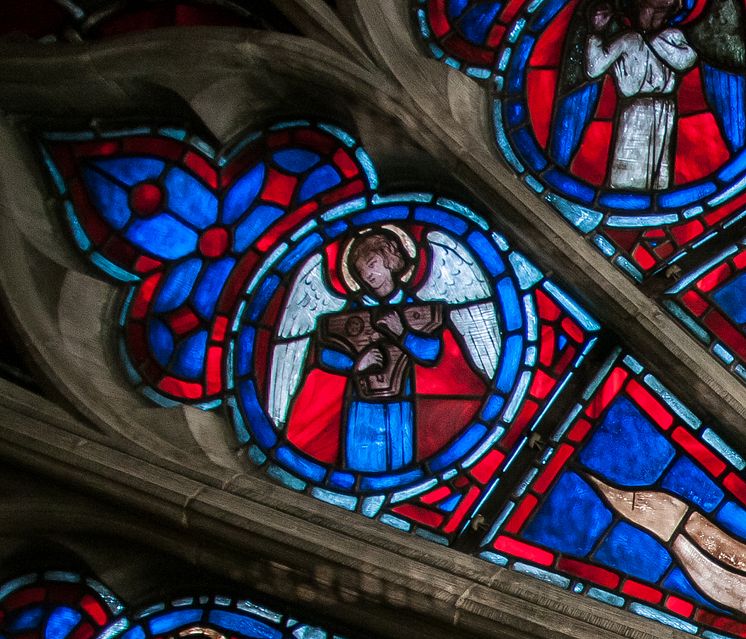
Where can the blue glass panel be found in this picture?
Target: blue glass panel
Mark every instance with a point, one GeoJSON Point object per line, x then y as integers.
{"type": "Point", "coordinates": [241, 195]}
{"type": "Point", "coordinates": [627, 448]}
{"type": "Point", "coordinates": [517, 71]}
{"type": "Point", "coordinates": [27, 620]}
{"type": "Point", "coordinates": [256, 416]}
{"type": "Point", "coordinates": [210, 286]}
{"type": "Point", "coordinates": [478, 21]}
{"type": "Point", "coordinates": [296, 160]}
{"type": "Point", "coordinates": [342, 480]}
{"type": "Point", "coordinates": [172, 620]}
{"type": "Point", "coordinates": [189, 359]}
{"type": "Point", "coordinates": [691, 483]}
{"type": "Point", "coordinates": [190, 199]}
{"type": "Point", "coordinates": [254, 225]}
{"type": "Point", "coordinates": [243, 624]}
{"type": "Point", "coordinates": [130, 171]}
{"type": "Point", "coordinates": [528, 148]}
{"type": "Point", "coordinates": [510, 304]}
{"type": "Point", "coordinates": [302, 466]}
{"type": "Point", "coordinates": [385, 482]}
{"type": "Point", "coordinates": [570, 186]}
{"type": "Point", "coordinates": [177, 285]}
{"type": "Point", "coordinates": [548, 11]}
{"type": "Point", "coordinates": [732, 299]}
{"type": "Point", "coordinates": [322, 179]}
{"type": "Point", "coordinates": [110, 200]}
{"type": "Point", "coordinates": [515, 113]}
{"type": "Point", "coordinates": [459, 448]}
{"type": "Point", "coordinates": [571, 117]}
{"type": "Point", "coordinates": [632, 551]}
{"type": "Point", "coordinates": [161, 341]}
{"type": "Point", "coordinates": [456, 7]}
{"type": "Point", "coordinates": [625, 201]}
{"type": "Point", "coordinates": [383, 213]}
{"type": "Point", "coordinates": [449, 505]}
{"type": "Point", "coordinates": [571, 519]}
{"type": "Point", "coordinates": [682, 197]}
{"type": "Point", "coordinates": [492, 407]}
{"type": "Point", "coordinates": [487, 253]}
{"type": "Point", "coordinates": [678, 582]}
{"type": "Point", "coordinates": [299, 252]}
{"type": "Point", "coordinates": [733, 517]}
{"type": "Point", "coordinates": [441, 218]}
{"type": "Point", "coordinates": [163, 236]}
{"type": "Point", "coordinates": [511, 358]}
{"type": "Point", "coordinates": [245, 350]}
{"type": "Point", "coordinates": [725, 93]}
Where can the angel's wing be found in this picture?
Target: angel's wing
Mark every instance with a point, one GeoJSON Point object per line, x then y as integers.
{"type": "Point", "coordinates": [309, 298]}
{"type": "Point", "coordinates": [456, 279]}
{"type": "Point", "coordinates": [718, 38]}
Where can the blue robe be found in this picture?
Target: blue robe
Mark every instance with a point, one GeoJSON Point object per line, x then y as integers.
{"type": "Point", "coordinates": [379, 435]}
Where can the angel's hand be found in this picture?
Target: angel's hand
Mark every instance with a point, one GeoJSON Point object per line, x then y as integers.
{"type": "Point", "coordinates": [391, 322]}
{"type": "Point", "coordinates": [369, 359]}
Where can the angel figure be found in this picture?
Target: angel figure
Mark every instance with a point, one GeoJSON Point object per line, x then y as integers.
{"type": "Point", "coordinates": [647, 46]}
{"type": "Point", "coordinates": [375, 338]}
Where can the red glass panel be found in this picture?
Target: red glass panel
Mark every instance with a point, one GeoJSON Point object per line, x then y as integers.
{"type": "Point", "coordinates": [549, 46]}
{"type": "Point", "coordinates": [214, 242]}
{"type": "Point", "coordinates": [286, 223]}
{"type": "Point", "coordinates": [568, 355]}
{"type": "Point", "coordinates": [608, 392]}
{"type": "Point", "coordinates": [546, 349]}
{"type": "Point", "coordinates": [726, 332]}
{"type": "Point", "coordinates": [695, 303]}
{"type": "Point", "coordinates": [690, 96]}
{"type": "Point", "coordinates": [685, 233]}
{"type": "Point", "coordinates": [182, 320]}
{"type": "Point", "coordinates": [650, 405]}
{"type": "Point", "coordinates": [279, 187]}
{"type": "Point", "coordinates": [573, 330]}
{"type": "Point", "coordinates": [137, 344]}
{"type": "Point", "coordinates": [440, 420]}
{"type": "Point", "coordinates": [314, 425]}
{"type": "Point", "coordinates": [724, 211]}
{"type": "Point", "coordinates": [83, 631]}
{"type": "Point", "coordinates": [700, 148]}
{"type": "Point", "coordinates": [521, 513]}
{"type": "Point", "coordinates": [717, 276]}
{"type": "Point", "coordinates": [94, 609]}
{"type": "Point", "coordinates": [437, 17]}
{"type": "Point", "coordinates": [541, 87]}
{"type": "Point", "coordinates": [641, 591]}
{"type": "Point", "coordinates": [261, 357]}
{"type": "Point", "coordinates": [548, 310]}
{"type": "Point", "coordinates": [553, 467]}
{"type": "Point", "coordinates": [214, 370]}
{"type": "Point", "coordinates": [579, 431]}
{"type": "Point", "coordinates": [451, 376]}
{"type": "Point", "coordinates": [180, 388]}
{"type": "Point", "coordinates": [468, 52]}
{"type": "Point", "coordinates": [597, 575]}
{"type": "Point", "coordinates": [89, 218]}
{"type": "Point", "coordinates": [519, 424]}
{"type": "Point", "coordinates": [699, 451]}
{"type": "Point", "coordinates": [458, 516]}
{"type": "Point", "coordinates": [679, 606]}
{"type": "Point", "coordinates": [24, 597]}
{"type": "Point", "coordinates": [439, 494]}
{"type": "Point", "coordinates": [145, 264]}
{"type": "Point", "coordinates": [644, 259]}
{"type": "Point", "coordinates": [592, 158]}
{"type": "Point", "coordinates": [511, 9]}
{"type": "Point", "coordinates": [275, 306]}
{"type": "Point", "coordinates": [495, 36]}
{"type": "Point", "coordinates": [737, 628]}
{"type": "Point", "coordinates": [737, 486]}
{"type": "Point", "coordinates": [345, 163]}
{"type": "Point", "coordinates": [320, 142]}
{"type": "Point", "coordinates": [219, 328]}
{"type": "Point", "coordinates": [144, 296]}
{"type": "Point", "coordinates": [237, 281]}
{"type": "Point", "coordinates": [420, 515]}
{"type": "Point", "coordinates": [343, 192]}
{"type": "Point", "coordinates": [542, 385]}
{"type": "Point", "coordinates": [485, 469]}
{"type": "Point", "coordinates": [524, 550]}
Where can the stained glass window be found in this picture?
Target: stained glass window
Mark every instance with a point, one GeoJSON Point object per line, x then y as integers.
{"type": "Point", "coordinates": [630, 127]}
{"type": "Point", "coordinates": [65, 605]}
{"type": "Point", "coordinates": [636, 502]}
{"type": "Point", "coordinates": [388, 354]}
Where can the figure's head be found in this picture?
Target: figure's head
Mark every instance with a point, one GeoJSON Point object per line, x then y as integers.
{"type": "Point", "coordinates": [652, 15]}
{"type": "Point", "coordinates": [600, 15]}
{"type": "Point", "coordinates": [376, 259]}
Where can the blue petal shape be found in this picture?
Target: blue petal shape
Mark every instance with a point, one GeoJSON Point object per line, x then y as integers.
{"type": "Point", "coordinates": [733, 517]}
{"type": "Point", "coordinates": [61, 622]}
{"type": "Point", "coordinates": [476, 24]}
{"type": "Point", "coordinates": [296, 160]}
{"type": "Point", "coordinates": [691, 483]}
{"type": "Point", "coordinates": [243, 625]}
{"type": "Point", "coordinates": [571, 519]}
{"type": "Point", "coordinates": [627, 448]}
{"type": "Point", "coordinates": [110, 199]}
{"type": "Point", "coordinates": [189, 358]}
{"type": "Point", "coordinates": [163, 236]}
{"type": "Point", "coordinates": [632, 551]}
{"type": "Point", "coordinates": [678, 582]}
{"type": "Point", "coordinates": [322, 179]}
{"type": "Point", "coordinates": [732, 299]}
{"type": "Point", "coordinates": [456, 8]}
{"type": "Point", "coordinates": [191, 200]}
{"type": "Point", "coordinates": [132, 170]}
{"type": "Point", "coordinates": [177, 285]}
{"type": "Point", "coordinates": [243, 193]}
{"type": "Point", "coordinates": [161, 341]}
{"type": "Point", "coordinates": [254, 225]}
{"type": "Point", "coordinates": [210, 286]}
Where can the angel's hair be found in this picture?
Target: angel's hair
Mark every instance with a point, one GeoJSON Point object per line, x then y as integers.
{"type": "Point", "coordinates": [385, 245]}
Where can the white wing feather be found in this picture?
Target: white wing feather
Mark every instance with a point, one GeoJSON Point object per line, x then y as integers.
{"type": "Point", "coordinates": [309, 298]}
{"type": "Point", "coordinates": [477, 324]}
{"type": "Point", "coordinates": [456, 278]}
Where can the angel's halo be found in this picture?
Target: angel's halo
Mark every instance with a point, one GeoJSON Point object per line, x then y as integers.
{"type": "Point", "coordinates": [410, 246]}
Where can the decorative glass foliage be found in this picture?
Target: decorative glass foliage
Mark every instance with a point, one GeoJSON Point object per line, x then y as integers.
{"type": "Point", "coordinates": [711, 302]}
{"type": "Point", "coordinates": [387, 354]}
{"type": "Point", "coordinates": [636, 503]}
{"type": "Point", "coordinates": [55, 605]}
{"type": "Point", "coordinates": [64, 605]}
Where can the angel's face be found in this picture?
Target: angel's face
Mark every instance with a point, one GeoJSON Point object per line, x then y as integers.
{"type": "Point", "coordinates": [654, 13]}
{"type": "Point", "coordinates": [375, 273]}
